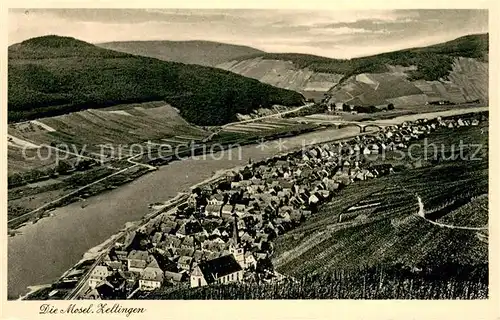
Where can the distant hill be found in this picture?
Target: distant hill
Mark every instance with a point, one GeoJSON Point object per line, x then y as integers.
{"type": "Point", "coordinates": [455, 69]}
{"type": "Point", "coordinates": [53, 75]}
{"type": "Point", "coordinates": [204, 53]}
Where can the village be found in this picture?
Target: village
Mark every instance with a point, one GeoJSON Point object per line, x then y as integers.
{"type": "Point", "coordinates": [224, 232]}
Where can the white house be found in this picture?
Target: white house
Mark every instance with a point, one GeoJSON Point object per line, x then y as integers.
{"type": "Point", "coordinates": [99, 274]}
{"type": "Point", "coordinates": [313, 199]}
{"type": "Point", "coordinates": [150, 279]}
{"type": "Point", "coordinates": [137, 260]}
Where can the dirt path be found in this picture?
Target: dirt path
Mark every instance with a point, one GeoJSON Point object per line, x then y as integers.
{"type": "Point", "coordinates": [139, 163]}
{"type": "Point", "coordinates": [421, 213]}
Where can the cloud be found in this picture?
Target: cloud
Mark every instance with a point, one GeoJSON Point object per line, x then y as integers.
{"type": "Point", "coordinates": [321, 32]}
{"type": "Point", "coordinates": [344, 30]}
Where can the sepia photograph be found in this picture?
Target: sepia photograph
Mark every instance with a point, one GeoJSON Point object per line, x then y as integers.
{"type": "Point", "coordinates": [246, 154]}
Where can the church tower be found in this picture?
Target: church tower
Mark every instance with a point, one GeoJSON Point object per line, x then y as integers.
{"type": "Point", "coordinates": [235, 247]}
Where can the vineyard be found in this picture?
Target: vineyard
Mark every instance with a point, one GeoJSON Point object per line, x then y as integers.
{"type": "Point", "coordinates": [373, 283]}
{"type": "Point", "coordinates": [375, 222]}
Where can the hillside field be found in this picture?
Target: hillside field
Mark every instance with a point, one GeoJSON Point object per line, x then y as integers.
{"type": "Point", "coordinates": [119, 125]}
{"type": "Point", "coordinates": [455, 71]}
{"type": "Point", "coordinates": [389, 232]}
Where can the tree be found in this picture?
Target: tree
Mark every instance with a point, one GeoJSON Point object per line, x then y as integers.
{"type": "Point", "coordinates": [63, 167]}
{"type": "Point", "coordinates": [264, 265]}
{"type": "Point", "coordinates": [83, 164]}
{"type": "Point", "coordinates": [33, 175]}
{"type": "Point", "coordinates": [346, 107]}
{"type": "Point", "coordinates": [15, 180]}
{"type": "Point", "coordinates": [390, 106]}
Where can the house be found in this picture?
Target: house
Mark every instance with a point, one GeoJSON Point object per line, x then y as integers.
{"type": "Point", "coordinates": [287, 191]}
{"type": "Point", "coordinates": [220, 270]}
{"type": "Point", "coordinates": [216, 199]}
{"type": "Point", "coordinates": [137, 260]}
{"type": "Point", "coordinates": [199, 255]}
{"type": "Point", "coordinates": [250, 262]}
{"type": "Point", "coordinates": [188, 242]}
{"type": "Point", "coordinates": [255, 188]}
{"type": "Point", "coordinates": [111, 288]}
{"type": "Point", "coordinates": [216, 232]}
{"type": "Point", "coordinates": [192, 201]}
{"type": "Point", "coordinates": [99, 274]}
{"type": "Point", "coordinates": [331, 185]}
{"type": "Point", "coordinates": [172, 242]}
{"type": "Point", "coordinates": [184, 263]}
{"type": "Point", "coordinates": [213, 210]}
{"type": "Point", "coordinates": [227, 211]}
{"type": "Point", "coordinates": [121, 255]}
{"type": "Point", "coordinates": [153, 266]}
{"type": "Point", "coordinates": [260, 255]}
{"type": "Point", "coordinates": [185, 251]}
{"type": "Point", "coordinates": [168, 227]}
{"type": "Point", "coordinates": [241, 224]}
{"type": "Point", "coordinates": [313, 199]}
{"type": "Point", "coordinates": [240, 209]}
{"type": "Point", "coordinates": [150, 279]}
{"type": "Point", "coordinates": [375, 149]}
{"type": "Point", "coordinates": [297, 216]}
{"type": "Point", "coordinates": [256, 181]}
{"type": "Point", "coordinates": [235, 184]}
{"type": "Point", "coordinates": [104, 290]}
{"type": "Point", "coordinates": [114, 265]}
{"type": "Point", "coordinates": [146, 229]}
{"type": "Point", "coordinates": [156, 238]}
{"type": "Point", "coordinates": [191, 227]}
{"type": "Point", "coordinates": [174, 277]}
{"type": "Point", "coordinates": [306, 213]}
{"type": "Point", "coordinates": [246, 237]}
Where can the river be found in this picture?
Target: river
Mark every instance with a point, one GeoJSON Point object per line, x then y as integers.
{"type": "Point", "coordinates": [43, 251]}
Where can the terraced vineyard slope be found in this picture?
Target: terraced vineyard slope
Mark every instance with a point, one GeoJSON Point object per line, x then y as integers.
{"type": "Point", "coordinates": [379, 222]}
{"type": "Point", "coordinates": [455, 71]}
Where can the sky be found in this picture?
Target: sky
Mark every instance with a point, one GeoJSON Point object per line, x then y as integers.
{"type": "Point", "coordinates": [335, 34]}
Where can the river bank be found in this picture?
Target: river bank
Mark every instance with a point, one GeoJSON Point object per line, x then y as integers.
{"type": "Point", "coordinates": [45, 250]}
